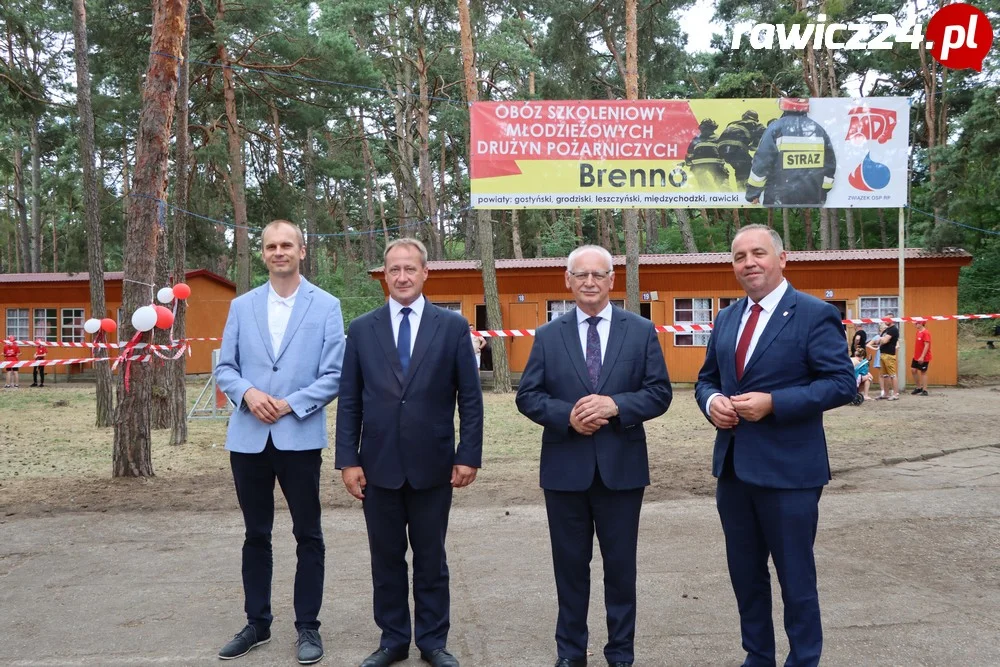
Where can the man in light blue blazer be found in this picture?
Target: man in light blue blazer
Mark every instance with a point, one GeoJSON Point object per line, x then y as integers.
{"type": "Point", "coordinates": [280, 364]}
{"type": "Point", "coordinates": [774, 364]}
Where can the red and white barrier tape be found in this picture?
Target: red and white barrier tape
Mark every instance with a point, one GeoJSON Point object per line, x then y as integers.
{"type": "Point", "coordinates": [112, 346]}
{"type": "Point", "coordinates": [10, 365]}
{"type": "Point", "coordinates": [520, 333]}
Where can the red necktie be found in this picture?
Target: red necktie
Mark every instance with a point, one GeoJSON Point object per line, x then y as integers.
{"type": "Point", "coordinates": [744, 344]}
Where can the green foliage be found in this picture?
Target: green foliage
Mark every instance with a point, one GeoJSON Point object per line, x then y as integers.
{"type": "Point", "coordinates": [978, 287]}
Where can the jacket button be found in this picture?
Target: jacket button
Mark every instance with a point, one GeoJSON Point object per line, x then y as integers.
{"type": "Point", "coordinates": [403, 402]}
{"type": "Point", "coordinates": [275, 369]}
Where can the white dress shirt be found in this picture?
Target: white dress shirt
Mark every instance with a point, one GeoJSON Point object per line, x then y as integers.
{"type": "Point", "coordinates": [395, 310]}
{"type": "Point", "coordinates": [279, 309]}
{"type": "Point", "coordinates": [603, 329]}
{"type": "Point", "coordinates": [768, 305]}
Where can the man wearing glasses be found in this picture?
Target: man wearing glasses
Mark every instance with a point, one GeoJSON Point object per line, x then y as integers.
{"type": "Point", "coordinates": [594, 376]}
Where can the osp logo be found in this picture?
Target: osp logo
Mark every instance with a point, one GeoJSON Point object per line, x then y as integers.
{"type": "Point", "coordinates": [870, 125]}
{"type": "Point", "coordinates": [958, 35]}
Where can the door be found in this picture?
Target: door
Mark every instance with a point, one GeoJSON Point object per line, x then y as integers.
{"type": "Point", "coordinates": [841, 307]}
{"type": "Point", "coordinates": [486, 356]}
{"type": "Point", "coordinates": [522, 316]}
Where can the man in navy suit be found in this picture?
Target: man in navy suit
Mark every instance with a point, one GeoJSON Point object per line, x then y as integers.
{"type": "Point", "coordinates": [593, 377]}
{"type": "Point", "coordinates": [774, 364]}
{"type": "Point", "coordinates": [282, 349]}
{"type": "Point", "coordinates": [407, 365]}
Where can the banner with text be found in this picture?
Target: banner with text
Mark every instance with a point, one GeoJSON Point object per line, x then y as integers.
{"type": "Point", "coordinates": [821, 152]}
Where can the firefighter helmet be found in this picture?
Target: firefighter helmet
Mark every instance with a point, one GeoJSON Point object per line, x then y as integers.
{"type": "Point", "coordinates": [798, 104]}
{"type": "Point", "coordinates": [751, 115]}
{"type": "Point", "coordinates": [708, 125]}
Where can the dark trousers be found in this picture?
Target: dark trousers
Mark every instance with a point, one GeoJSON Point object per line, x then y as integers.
{"type": "Point", "coordinates": [759, 522]}
{"type": "Point", "coordinates": [573, 518]}
{"type": "Point", "coordinates": [38, 373]}
{"type": "Point", "coordinates": [298, 475]}
{"type": "Point", "coordinates": [391, 515]}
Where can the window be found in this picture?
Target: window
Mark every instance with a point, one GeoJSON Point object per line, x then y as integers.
{"type": "Point", "coordinates": [692, 311]}
{"type": "Point", "coordinates": [876, 306]}
{"type": "Point", "coordinates": [560, 308]}
{"type": "Point", "coordinates": [72, 325]}
{"type": "Point", "coordinates": [450, 305]}
{"type": "Point", "coordinates": [726, 301]}
{"type": "Point", "coordinates": [46, 325]}
{"type": "Point", "coordinates": [17, 323]}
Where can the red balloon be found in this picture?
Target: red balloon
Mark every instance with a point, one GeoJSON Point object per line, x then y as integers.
{"type": "Point", "coordinates": [164, 317]}
{"type": "Point", "coordinates": [182, 291]}
{"type": "Point", "coordinates": [108, 325]}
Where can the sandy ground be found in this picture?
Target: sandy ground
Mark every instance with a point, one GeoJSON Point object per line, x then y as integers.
{"type": "Point", "coordinates": [53, 460]}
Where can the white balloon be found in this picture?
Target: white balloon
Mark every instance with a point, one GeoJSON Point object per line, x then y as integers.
{"type": "Point", "coordinates": [92, 326]}
{"type": "Point", "coordinates": [144, 318]}
{"type": "Point", "coordinates": [165, 295]}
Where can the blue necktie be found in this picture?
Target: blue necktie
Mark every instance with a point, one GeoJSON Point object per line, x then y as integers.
{"type": "Point", "coordinates": [403, 340]}
{"type": "Point", "coordinates": [593, 351]}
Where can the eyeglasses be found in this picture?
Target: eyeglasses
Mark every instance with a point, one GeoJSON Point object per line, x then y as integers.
{"type": "Point", "coordinates": [596, 275]}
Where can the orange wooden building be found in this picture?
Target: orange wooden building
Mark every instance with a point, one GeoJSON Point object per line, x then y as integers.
{"type": "Point", "coordinates": [692, 288]}
{"type": "Point", "coordinates": [54, 306]}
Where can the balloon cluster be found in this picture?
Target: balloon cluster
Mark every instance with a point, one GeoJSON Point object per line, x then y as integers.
{"type": "Point", "coordinates": [146, 317]}
{"type": "Point", "coordinates": [93, 325]}
{"type": "Point", "coordinates": [161, 317]}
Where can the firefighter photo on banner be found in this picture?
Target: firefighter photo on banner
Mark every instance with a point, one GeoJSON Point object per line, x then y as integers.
{"type": "Point", "coordinates": [709, 153]}
{"type": "Point", "coordinates": [794, 164]}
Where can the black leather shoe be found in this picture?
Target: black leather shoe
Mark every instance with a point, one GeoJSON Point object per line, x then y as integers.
{"type": "Point", "coordinates": [385, 656]}
{"type": "Point", "coordinates": [619, 664]}
{"type": "Point", "coordinates": [245, 640]}
{"type": "Point", "coordinates": [566, 662]}
{"type": "Point", "coordinates": [439, 657]}
{"type": "Point", "coordinates": [309, 646]}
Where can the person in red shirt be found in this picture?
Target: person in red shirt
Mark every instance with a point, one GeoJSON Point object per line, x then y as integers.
{"type": "Point", "coordinates": [921, 359]}
{"type": "Point", "coordinates": [10, 353]}
{"type": "Point", "coordinates": [38, 372]}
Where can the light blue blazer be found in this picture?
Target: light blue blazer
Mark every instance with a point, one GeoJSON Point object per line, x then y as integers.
{"type": "Point", "coordinates": [305, 371]}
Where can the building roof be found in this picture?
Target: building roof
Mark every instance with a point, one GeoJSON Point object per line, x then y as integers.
{"type": "Point", "coordinates": [84, 277]}
{"type": "Point", "coordinates": [708, 258]}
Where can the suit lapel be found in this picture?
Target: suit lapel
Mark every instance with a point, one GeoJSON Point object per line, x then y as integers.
{"type": "Point", "coordinates": [779, 318]}
{"type": "Point", "coordinates": [426, 332]}
{"type": "Point", "coordinates": [302, 302]}
{"type": "Point", "coordinates": [260, 314]}
{"type": "Point", "coordinates": [616, 337]}
{"type": "Point", "coordinates": [382, 332]}
{"type": "Point", "coordinates": [571, 338]}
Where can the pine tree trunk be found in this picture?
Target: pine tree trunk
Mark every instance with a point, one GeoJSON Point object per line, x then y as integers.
{"type": "Point", "coordinates": [36, 199]}
{"type": "Point", "coordinates": [104, 400]}
{"type": "Point", "coordinates": [312, 241]}
{"type": "Point", "coordinates": [630, 217]}
{"type": "Point", "coordinates": [883, 234]}
{"type": "Point", "coordinates": [849, 223]}
{"type": "Point", "coordinates": [159, 401]}
{"type": "Point", "coordinates": [237, 181]}
{"type": "Point", "coordinates": [824, 229]}
{"type": "Point", "coordinates": [807, 225]}
{"type": "Point", "coordinates": [501, 367]}
{"type": "Point", "coordinates": [131, 454]}
{"type": "Point", "coordinates": [24, 236]}
{"type": "Point", "coordinates": [182, 165]}
{"type": "Point", "coordinates": [786, 229]}
{"type": "Point", "coordinates": [427, 198]}
{"type": "Point", "coordinates": [687, 234]}
{"type": "Point", "coordinates": [833, 215]}
{"type": "Point", "coordinates": [515, 235]}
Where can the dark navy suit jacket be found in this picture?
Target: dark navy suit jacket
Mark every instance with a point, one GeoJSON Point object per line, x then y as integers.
{"type": "Point", "coordinates": [402, 428]}
{"type": "Point", "coordinates": [633, 374]}
{"type": "Point", "coordinates": [800, 360]}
